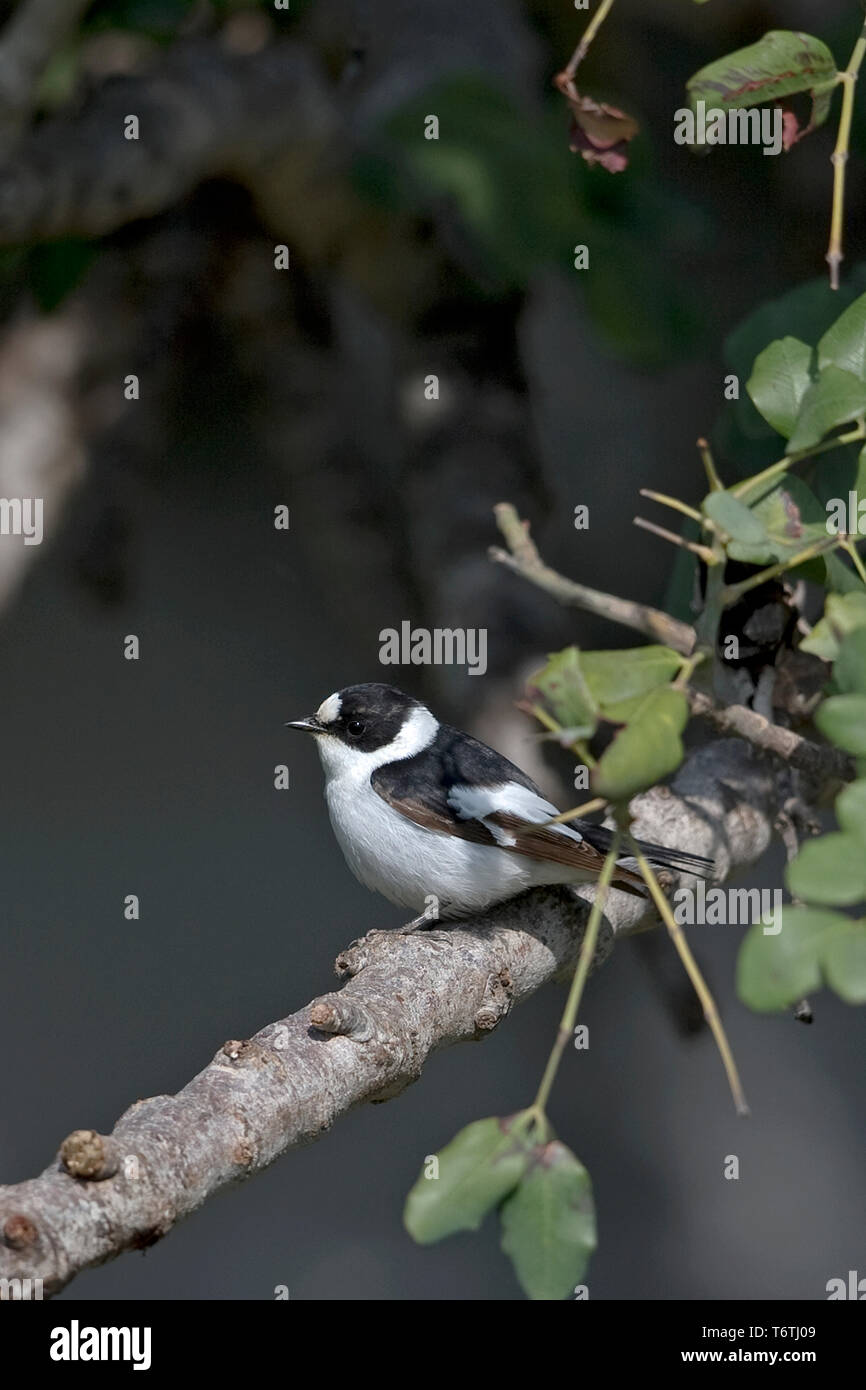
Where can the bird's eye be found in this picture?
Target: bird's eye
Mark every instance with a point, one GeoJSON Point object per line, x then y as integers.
{"type": "Point", "coordinates": [355, 727]}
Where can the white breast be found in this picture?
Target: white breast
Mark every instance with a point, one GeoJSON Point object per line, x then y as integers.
{"type": "Point", "coordinates": [407, 863]}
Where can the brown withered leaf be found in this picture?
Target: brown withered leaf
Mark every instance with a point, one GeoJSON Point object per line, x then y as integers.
{"type": "Point", "coordinates": [791, 131]}
{"type": "Point", "coordinates": [599, 133]}
{"type": "Point", "coordinates": [794, 129]}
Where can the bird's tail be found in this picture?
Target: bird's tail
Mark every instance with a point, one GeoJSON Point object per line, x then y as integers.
{"type": "Point", "coordinates": [679, 861]}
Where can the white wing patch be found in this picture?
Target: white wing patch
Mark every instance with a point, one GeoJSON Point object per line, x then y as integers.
{"type": "Point", "coordinates": [478, 803]}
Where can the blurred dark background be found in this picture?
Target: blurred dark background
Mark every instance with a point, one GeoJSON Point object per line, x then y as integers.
{"type": "Point", "coordinates": [304, 387]}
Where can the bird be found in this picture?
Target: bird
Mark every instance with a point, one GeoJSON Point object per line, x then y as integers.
{"type": "Point", "coordinates": [441, 824]}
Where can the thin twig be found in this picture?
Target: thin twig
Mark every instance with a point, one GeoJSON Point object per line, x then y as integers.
{"type": "Point", "coordinates": [566, 77]}
{"type": "Point", "coordinates": [578, 745]}
{"type": "Point", "coordinates": [711, 1013]}
{"type": "Point", "coordinates": [702, 551]}
{"type": "Point", "coordinates": [733, 592]}
{"type": "Point", "coordinates": [596, 804]}
{"type": "Point", "coordinates": [782, 465]}
{"type": "Point", "coordinates": [675, 503]}
{"type": "Point", "coordinates": [849, 546]}
{"type": "Point", "coordinates": [824, 765]}
{"type": "Point", "coordinates": [523, 558]}
{"type": "Point", "coordinates": [715, 482]}
{"type": "Point", "coordinates": [839, 157]}
{"type": "Point", "coordinates": [575, 993]}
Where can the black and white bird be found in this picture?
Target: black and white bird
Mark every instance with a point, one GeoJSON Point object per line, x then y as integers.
{"type": "Point", "coordinates": [438, 822]}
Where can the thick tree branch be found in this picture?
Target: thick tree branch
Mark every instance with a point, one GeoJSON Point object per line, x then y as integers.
{"type": "Point", "coordinates": [406, 997]}
{"type": "Point", "coordinates": [202, 112]}
{"type": "Point", "coordinates": [271, 120]}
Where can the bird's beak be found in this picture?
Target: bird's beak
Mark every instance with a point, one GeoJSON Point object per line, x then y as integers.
{"type": "Point", "coordinates": [309, 726]}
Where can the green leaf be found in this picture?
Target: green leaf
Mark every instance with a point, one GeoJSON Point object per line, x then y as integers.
{"type": "Point", "coordinates": [842, 719]}
{"type": "Point", "coordinates": [735, 517]}
{"type": "Point", "coordinates": [647, 749]}
{"type": "Point", "coordinates": [774, 972]}
{"type": "Point", "coordinates": [850, 808]}
{"type": "Point", "coordinates": [834, 399]}
{"type": "Point", "coordinates": [579, 686]}
{"type": "Point", "coordinates": [840, 578]}
{"type": "Point", "coordinates": [845, 963]}
{"type": "Point", "coordinates": [841, 473]}
{"type": "Point", "coordinates": [563, 686]}
{"type": "Point", "coordinates": [806, 312]}
{"type": "Point", "coordinates": [791, 516]}
{"type": "Point", "coordinates": [849, 669]}
{"type": "Point", "coordinates": [843, 613]}
{"type": "Point", "coordinates": [548, 1224]}
{"type": "Point", "coordinates": [831, 870]}
{"type": "Point", "coordinates": [778, 65]}
{"type": "Point", "coordinates": [844, 345]}
{"type": "Point", "coordinates": [750, 554]}
{"type": "Point", "coordinates": [779, 381]}
{"type": "Point", "coordinates": [617, 676]}
{"type": "Point", "coordinates": [481, 1165]}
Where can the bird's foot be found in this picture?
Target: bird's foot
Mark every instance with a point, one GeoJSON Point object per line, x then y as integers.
{"type": "Point", "coordinates": [424, 920]}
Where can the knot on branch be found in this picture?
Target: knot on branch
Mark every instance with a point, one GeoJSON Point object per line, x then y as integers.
{"type": "Point", "coordinates": [19, 1232]}
{"type": "Point", "coordinates": [358, 954]}
{"type": "Point", "coordinates": [90, 1156]}
{"type": "Point", "coordinates": [351, 961]}
{"type": "Point", "coordinates": [495, 1002]}
{"type": "Point", "coordinates": [245, 1050]}
{"type": "Point", "coordinates": [341, 1016]}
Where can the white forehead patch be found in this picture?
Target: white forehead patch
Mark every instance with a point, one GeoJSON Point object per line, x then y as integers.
{"type": "Point", "coordinates": [329, 710]}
